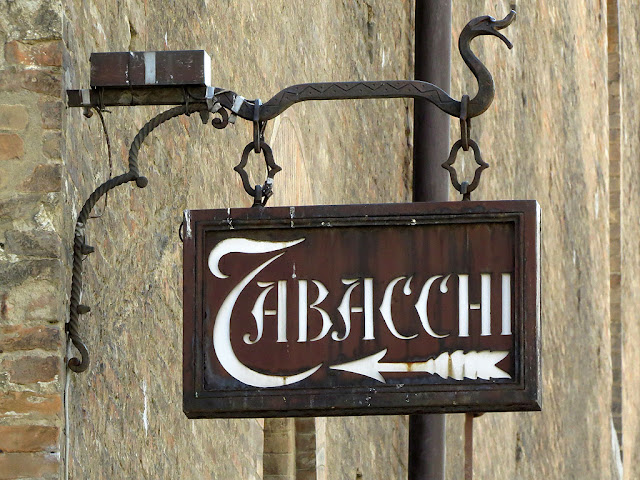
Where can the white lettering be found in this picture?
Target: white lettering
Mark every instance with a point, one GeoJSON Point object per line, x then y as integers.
{"type": "Point", "coordinates": [345, 309]}
{"type": "Point", "coordinates": [365, 305]}
{"type": "Point", "coordinates": [506, 304]}
{"type": "Point", "coordinates": [259, 312]}
{"type": "Point", "coordinates": [422, 304]}
{"type": "Point", "coordinates": [282, 311]}
{"type": "Point", "coordinates": [385, 307]}
{"type": "Point", "coordinates": [302, 311]}
{"type": "Point", "coordinates": [323, 293]}
{"type": "Point", "coordinates": [368, 309]}
{"type": "Point", "coordinates": [463, 305]}
{"type": "Point", "coordinates": [222, 327]}
{"type": "Point", "coordinates": [484, 306]}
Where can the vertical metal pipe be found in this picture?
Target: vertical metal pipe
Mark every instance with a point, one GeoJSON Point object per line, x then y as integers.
{"type": "Point", "coordinates": [430, 183]}
{"type": "Point", "coordinates": [431, 126]}
{"type": "Point", "coordinates": [426, 447]}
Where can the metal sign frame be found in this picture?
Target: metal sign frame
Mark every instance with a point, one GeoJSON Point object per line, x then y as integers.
{"type": "Point", "coordinates": [523, 393]}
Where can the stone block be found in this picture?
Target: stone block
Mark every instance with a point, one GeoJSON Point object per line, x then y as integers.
{"type": "Point", "coordinates": [281, 442]}
{"type": "Point", "coordinates": [25, 301]}
{"type": "Point", "coordinates": [33, 19]}
{"type": "Point", "coordinates": [306, 443]}
{"type": "Point", "coordinates": [39, 81]}
{"type": "Point", "coordinates": [305, 426]}
{"type": "Point", "coordinates": [279, 424]}
{"type": "Point", "coordinates": [31, 369]}
{"type": "Point", "coordinates": [307, 475]}
{"type": "Point", "coordinates": [41, 243]}
{"type": "Point", "coordinates": [17, 273]}
{"type": "Point", "coordinates": [45, 306]}
{"type": "Point", "coordinates": [45, 178]}
{"type": "Point", "coordinates": [28, 438]}
{"type": "Point", "coordinates": [28, 403]}
{"type": "Point", "coordinates": [47, 53]}
{"type": "Point", "coordinates": [11, 146]}
{"type": "Point", "coordinates": [306, 460]}
{"type": "Point", "coordinates": [23, 207]}
{"type": "Point", "coordinates": [13, 117]}
{"type": "Point", "coordinates": [18, 337]}
{"type": "Point", "coordinates": [51, 114]}
{"type": "Point", "coordinates": [279, 464]}
{"type": "Point", "coordinates": [51, 144]}
{"type": "Point", "coordinates": [28, 465]}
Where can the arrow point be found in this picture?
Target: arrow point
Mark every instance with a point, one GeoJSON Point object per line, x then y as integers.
{"type": "Point", "coordinates": [367, 366]}
{"type": "Point", "coordinates": [484, 364]}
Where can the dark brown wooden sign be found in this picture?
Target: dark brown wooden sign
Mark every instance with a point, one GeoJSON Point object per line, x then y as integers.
{"type": "Point", "coordinates": [361, 309]}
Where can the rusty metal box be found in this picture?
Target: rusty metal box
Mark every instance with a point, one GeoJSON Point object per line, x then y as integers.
{"type": "Point", "coordinates": [140, 69]}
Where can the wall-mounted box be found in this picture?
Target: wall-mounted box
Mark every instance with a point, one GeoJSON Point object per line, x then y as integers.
{"type": "Point", "coordinates": [139, 69]}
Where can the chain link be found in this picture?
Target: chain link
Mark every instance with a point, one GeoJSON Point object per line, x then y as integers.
{"type": "Point", "coordinates": [465, 188]}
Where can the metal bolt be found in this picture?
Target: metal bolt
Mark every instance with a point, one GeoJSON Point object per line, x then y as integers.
{"type": "Point", "coordinates": [83, 309]}
{"type": "Point", "coordinates": [87, 249]}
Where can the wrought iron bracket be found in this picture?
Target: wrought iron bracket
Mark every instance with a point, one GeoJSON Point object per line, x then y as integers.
{"type": "Point", "coordinates": [81, 249]}
{"type": "Point", "coordinates": [208, 100]}
{"type": "Point", "coordinates": [243, 108]}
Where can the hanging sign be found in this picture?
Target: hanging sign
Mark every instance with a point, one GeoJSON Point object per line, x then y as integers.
{"type": "Point", "coordinates": [361, 309]}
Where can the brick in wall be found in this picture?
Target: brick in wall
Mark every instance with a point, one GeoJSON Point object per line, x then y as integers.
{"type": "Point", "coordinates": [28, 369]}
{"type": "Point", "coordinates": [40, 243]}
{"type": "Point", "coordinates": [31, 298]}
{"type": "Point", "coordinates": [19, 337]}
{"type": "Point", "coordinates": [28, 438]}
{"type": "Point", "coordinates": [47, 53]}
{"type": "Point", "coordinates": [44, 178]}
{"type": "Point", "coordinates": [37, 81]}
{"type": "Point", "coordinates": [28, 465]}
{"type": "Point", "coordinates": [14, 404]}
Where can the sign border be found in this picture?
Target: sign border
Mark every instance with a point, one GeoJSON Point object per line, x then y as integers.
{"type": "Point", "coordinates": [524, 395]}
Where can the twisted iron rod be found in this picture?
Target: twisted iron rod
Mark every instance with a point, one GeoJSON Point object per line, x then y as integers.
{"type": "Point", "coordinates": [80, 248]}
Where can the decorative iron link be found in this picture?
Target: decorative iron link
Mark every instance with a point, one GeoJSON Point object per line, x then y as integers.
{"type": "Point", "coordinates": [465, 188]}
{"type": "Point", "coordinates": [260, 193]}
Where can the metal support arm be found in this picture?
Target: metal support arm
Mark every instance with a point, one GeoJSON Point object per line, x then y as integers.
{"type": "Point", "coordinates": [486, 25]}
{"type": "Point", "coordinates": [80, 248]}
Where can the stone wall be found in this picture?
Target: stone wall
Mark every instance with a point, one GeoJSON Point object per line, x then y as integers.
{"type": "Point", "coordinates": [563, 130]}
{"type": "Point", "coordinates": [31, 268]}
{"type": "Point", "coordinates": [547, 137]}
{"type": "Point", "coordinates": [629, 170]}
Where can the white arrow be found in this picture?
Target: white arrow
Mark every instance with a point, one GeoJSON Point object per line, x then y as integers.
{"type": "Point", "coordinates": [457, 365]}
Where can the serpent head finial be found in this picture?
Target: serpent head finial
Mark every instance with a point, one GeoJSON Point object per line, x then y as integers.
{"type": "Point", "coordinates": [485, 25]}
{"type": "Point", "coordinates": [488, 25]}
